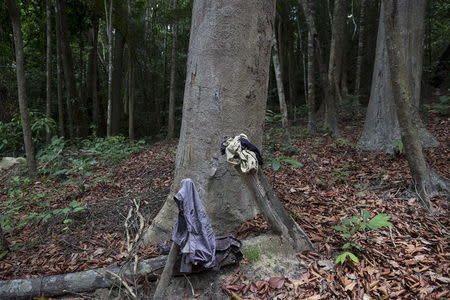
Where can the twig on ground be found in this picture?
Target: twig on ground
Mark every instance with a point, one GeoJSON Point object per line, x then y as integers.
{"type": "Point", "coordinates": [124, 283]}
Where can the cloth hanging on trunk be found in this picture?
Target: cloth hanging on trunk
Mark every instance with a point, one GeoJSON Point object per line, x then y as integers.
{"type": "Point", "coordinates": [239, 151]}
{"type": "Point", "coordinates": [193, 231]}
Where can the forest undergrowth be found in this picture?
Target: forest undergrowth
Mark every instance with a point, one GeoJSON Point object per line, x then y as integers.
{"type": "Point", "coordinates": [323, 181]}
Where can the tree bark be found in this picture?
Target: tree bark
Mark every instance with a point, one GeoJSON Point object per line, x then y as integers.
{"type": "Point", "coordinates": [280, 86]}
{"type": "Point", "coordinates": [362, 22]}
{"type": "Point", "coordinates": [48, 104]}
{"type": "Point", "coordinates": [130, 87]}
{"type": "Point", "coordinates": [225, 94]}
{"type": "Point", "coordinates": [427, 183]}
{"type": "Point", "coordinates": [21, 85]}
{"type": "Point", "coordinates": [117, 81]}
{"type": "Point", "coordinates": [312, 125]}
{"type": "Point", "coordinates": [171, 119]}
{"type": "Point", "coordinates": [336, 51]}
{"type": "Point", "coordinates": [381, 129]}
{"type": "Point", "coordinates": [59, 76]}
{"type": "Point", "coordinates": [92, 74]}
{"type": "Point", "coordinates": [71, 85]}
{"type": "Point", "coordinates": [330, 116]}
{"type": "Point", "coordinates": [108, 22]}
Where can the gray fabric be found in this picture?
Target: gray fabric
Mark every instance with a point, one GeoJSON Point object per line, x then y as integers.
{"type": "Point", "coordinates": [193, 231]}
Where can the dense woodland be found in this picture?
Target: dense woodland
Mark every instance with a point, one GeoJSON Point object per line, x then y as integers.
{"type": "Point", "coordinates": [349, 101]}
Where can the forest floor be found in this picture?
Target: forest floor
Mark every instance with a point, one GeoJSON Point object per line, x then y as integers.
{"type": "Point", "coordinates": [410, 260]}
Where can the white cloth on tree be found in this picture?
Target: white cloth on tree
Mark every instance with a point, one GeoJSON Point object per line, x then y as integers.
{"type": "Point", "coordinates": [235, 155]}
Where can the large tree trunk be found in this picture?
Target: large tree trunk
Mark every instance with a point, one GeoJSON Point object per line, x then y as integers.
{"type": "Point", "coordinates": [362, 22]}
{"type": "Point", "coordinates": [171, 119]}
{"type": "Point", "coordinates": [117, 80]}
{"type": "Point", "coordinates": [48, 61]}
{"type": "Point", "coordinates": [69, 75]}
{"type": "Point", "coordinates": [381, 129]}
{"type": "Point", "coordinates": [59, 76]}
{"type": "Point", "coordinates": [21, 85]}
{"type": "Point", "coordinates": [427, 183]}
{"type": "Point", "coordinates": [225, 94]}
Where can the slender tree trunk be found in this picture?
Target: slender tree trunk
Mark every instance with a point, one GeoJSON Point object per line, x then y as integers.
{"type": "Point", "coordinates": [292, 86]}
{"type": "Point", "coordinates": [71, 87]}
{"type": "Point", "coordinates": [337, 49]}
{"type": "Point", "coordinates": [92, 74]}
{"type": "Point", "coordinates": [48, 104]}
{"type": "Point", "coordinates": [304, 68]}
{"type": "Point", "coordinates": [381, 128]}
{"type": "Point", "coordinates": [223, 97]}
{"type": "Point", "coordinates": [171, 119]}
{"type": "Point", "coordinates": [108, 21]}
{"type": "Point", "coordinates": [335, 62]}
{"type": "Point", "coordinates": [330, 116]}
{"type": "Point", "coordinates": [82, 121]}
{"type": "Point", "coordinates": [21, 85]}
{"type": "Point", "coordinates": [362, 22]}
{"type": "Point", "coordinates": [59, 76]}
{"type": "Point", "coordinates": [280, 86]}
{"type": "Point", "coordinates": [117, 81]}
{"type": "Point", "coordinates": [427, 183]}
{"type": "Point", "coordinates": [130, 86]}
{"type": "Point", "coordinates": [312, 125]}
{"type": "Point", "coordinates": [131, 99]}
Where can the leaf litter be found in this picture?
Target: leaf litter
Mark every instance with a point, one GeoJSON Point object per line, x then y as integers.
{"type": "Point", "coordinates": [411, 260]}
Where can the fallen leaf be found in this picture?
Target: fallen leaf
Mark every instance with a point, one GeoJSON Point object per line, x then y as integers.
{"type": "Point", "coordinates": [276, 282]}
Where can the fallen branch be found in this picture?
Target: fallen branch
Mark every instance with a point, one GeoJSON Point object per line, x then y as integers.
{"type": "Point", "coordinates": [75, 282]}
{"type": "Point", "coordinates": [86, 281]}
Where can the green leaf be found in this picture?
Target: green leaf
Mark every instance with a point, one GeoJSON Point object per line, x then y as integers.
{"type": "Point", "coordinates": [293, 162]}
{"type": "Point", "coordinates": [353, 257]}
{"type": "Point", "coordinates": [346, 235]}
{"type": "Point", "coordinates": [347, 246]}
{"type": "Point", "coordinates": [68, 221]}
{"type": "Point", "coordinates": [74, 204]}
{"type": "Point", "coordinates": [340, 228]}
{"type": "Point", "coordinates": [276, 165]}
{"type": "Point", "coordinates": [79, 209]}
{"type": "Point", "coordinates": [380, 220]}
{"type": "Point", "coordinates": [365, 215]}
{"type": "Point", "coordinates": [3, 254]}
{"type": "Point", "coordinates": [341, 257]}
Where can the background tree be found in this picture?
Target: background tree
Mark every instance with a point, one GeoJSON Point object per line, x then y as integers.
{"type": "Point", "coordinates": [21, 84]}
{"type": "Point", "coordinates": [381, 128]}
{"type": "Point", "coordinates": [427, 182]}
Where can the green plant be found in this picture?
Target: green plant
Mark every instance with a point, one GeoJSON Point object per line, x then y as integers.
{"type": "Point", "coordinates": [272, 117]}
{"type": "Point", "coordinates": [289, 149]}
{"type": "Point", "coordinates": [11, 136]}
{"type": "Point", "coordinates": [398, 146]}
{"type": "Point", "coordinates": [341, 142]}
{"type": "Point", "coordinates": [340, 175]}
{"type": "Point", "coordinates": [252, 254]}
{"type": "Point", "coordinates": [358, 223]}
{"type": "Point", "coordinates": [442, 107]}
{"type": "Point", "coordinates": [277, 163]}
{"type": "Point", "coordinates": [301, 111]}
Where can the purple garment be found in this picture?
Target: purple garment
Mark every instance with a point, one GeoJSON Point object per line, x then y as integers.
{"type": "Point", "coordinates": [193, 231]}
